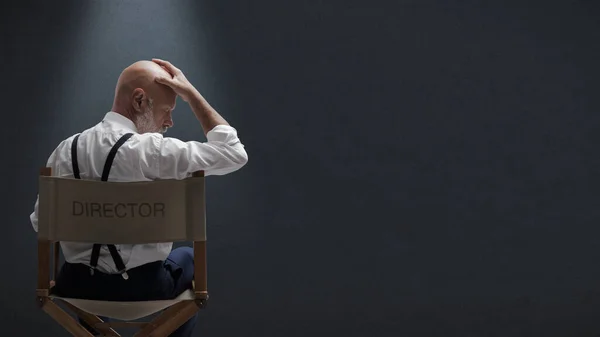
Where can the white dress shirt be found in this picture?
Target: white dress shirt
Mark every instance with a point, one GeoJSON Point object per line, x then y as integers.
{"type": "Point", "coordinates": [143, 157]}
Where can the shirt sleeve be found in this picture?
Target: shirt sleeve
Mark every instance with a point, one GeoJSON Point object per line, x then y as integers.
{"type": "Point", "coordinates": [171, 158]}
{"type": "Point", "coordinates": [33, 217]}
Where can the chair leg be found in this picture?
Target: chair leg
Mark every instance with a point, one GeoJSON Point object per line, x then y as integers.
{"type": "Point", "coordinates": [178, 320]}
{"type": "Point", "coordinates": [91, 320]}
{"type": "Point", "coordinates": [64, 319]}
{"type": "Point", "coordinates": [169, 320]}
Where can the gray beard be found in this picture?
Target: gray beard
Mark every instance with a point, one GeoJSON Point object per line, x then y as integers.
{"type": "Point", "coordinates": [145, 123]}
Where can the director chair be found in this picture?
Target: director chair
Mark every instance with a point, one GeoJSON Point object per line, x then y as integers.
{"type": "Point", "coordinates": [74, 210]}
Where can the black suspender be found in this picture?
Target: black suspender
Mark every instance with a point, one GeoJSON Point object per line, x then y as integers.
{"type": "Point", "coordinates": [115, 256]}
{"type": "Point", "coordinates": [112, 154]}
{"type": "Point", "coordinates": [105, 173]}
{"type": "Point", "coordinates": [74, 158]}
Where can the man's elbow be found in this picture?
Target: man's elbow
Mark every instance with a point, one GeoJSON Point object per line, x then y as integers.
{"type": "Point", "coordinates": [240, 159]}
{"type": "Point", "coordinates": [234, 163]}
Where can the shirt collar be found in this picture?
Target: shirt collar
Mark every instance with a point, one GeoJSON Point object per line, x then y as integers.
{"type": "Point", "coordinates": [119, 120]}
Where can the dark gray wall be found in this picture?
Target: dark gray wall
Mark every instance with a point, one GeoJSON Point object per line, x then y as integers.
{"type": "Point", "coordinates": [417, 168]}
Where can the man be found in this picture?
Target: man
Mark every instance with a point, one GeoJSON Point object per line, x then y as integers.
{"type": "Point", "coordinates": [145, 97]}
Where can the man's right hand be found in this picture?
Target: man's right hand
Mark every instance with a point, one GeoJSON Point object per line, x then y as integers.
{"type": "Point", "coordinates": [178, 82]}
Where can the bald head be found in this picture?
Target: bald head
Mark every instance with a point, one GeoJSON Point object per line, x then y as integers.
{"type": "Point", "coordinates": [137, 94]}
{"type": "Point", "coordinates": [141, 74]}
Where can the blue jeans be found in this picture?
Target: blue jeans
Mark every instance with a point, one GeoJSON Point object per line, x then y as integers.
{"type": "Point", "coordinates": [153, 281]}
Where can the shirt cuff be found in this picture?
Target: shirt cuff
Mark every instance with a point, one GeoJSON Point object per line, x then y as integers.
{"type": "Point", "coordinates": [222, 133]}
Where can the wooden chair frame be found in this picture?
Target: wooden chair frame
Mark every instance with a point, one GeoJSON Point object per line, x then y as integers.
{"type": "Point", "coordinates": [162, 325]}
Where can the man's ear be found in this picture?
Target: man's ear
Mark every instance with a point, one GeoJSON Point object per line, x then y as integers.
{"type": "Point", "coordinates": [137, 97]}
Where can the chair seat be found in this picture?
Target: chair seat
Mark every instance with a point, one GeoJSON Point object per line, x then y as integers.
{"type": "Point", "coordinates": [125, 311]}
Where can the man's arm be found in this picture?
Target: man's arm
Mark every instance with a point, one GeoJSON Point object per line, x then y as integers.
{"type": "Point", "coordinates": [222, 153]}
{"type": "Point", "coordinates": [170, 158]}
{"type": "Point", "coordinates": [209, 118]}
{"type": "Point", "coordinates": [51, 162]}
{"type": "Point", "coordinates": [33, 217]}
